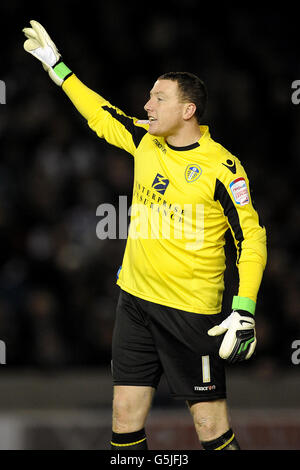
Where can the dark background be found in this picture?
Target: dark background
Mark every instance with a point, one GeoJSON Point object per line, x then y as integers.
{"type": "Point", "coordinates": [57, 279]}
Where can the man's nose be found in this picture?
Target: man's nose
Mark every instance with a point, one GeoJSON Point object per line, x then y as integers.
{"type": "Point", "coordinates": [148, 106]}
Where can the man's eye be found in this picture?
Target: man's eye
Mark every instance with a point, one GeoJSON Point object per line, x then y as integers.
{"type": "Point", "coordinates": [159, 99]}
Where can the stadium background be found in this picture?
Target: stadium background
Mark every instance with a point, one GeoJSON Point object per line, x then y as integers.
{"type": "Point", "coordinates": [57, 279]}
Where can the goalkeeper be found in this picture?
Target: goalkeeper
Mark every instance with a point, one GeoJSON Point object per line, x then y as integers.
{"type": "Point", "coordinates": [168, 317]}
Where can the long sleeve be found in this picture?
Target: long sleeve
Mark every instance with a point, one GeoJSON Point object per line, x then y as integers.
{"type": "Point", "coordinates": [233, 193]}
{"type": "Point", "coordinates": [109, 122]}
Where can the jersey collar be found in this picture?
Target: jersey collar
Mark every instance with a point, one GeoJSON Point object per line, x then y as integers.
{"type": "Point", "coordinates": [201, 141]}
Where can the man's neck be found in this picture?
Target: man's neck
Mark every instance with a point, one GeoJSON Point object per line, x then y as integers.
{"type": "Point", "coordinates": [185, 137]}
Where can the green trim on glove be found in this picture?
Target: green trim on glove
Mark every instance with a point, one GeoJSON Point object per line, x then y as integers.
{"type": "Point", "coordinates": [243, 303]}
{"type": "Point", "coordinates": [62, 70]}
{"type": "Point", "coordinates": [244, 346]}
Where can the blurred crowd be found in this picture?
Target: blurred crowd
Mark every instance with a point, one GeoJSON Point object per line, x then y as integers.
{"type": "Point", "coordinates": [57, 278]}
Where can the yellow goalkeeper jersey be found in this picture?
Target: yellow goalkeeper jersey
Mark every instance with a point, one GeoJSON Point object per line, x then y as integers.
{"type": "Point", "coordinates": [184, 200]}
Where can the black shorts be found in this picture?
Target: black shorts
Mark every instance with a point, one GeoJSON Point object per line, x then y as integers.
{"type": "Point", "coordinates": [150, 339]}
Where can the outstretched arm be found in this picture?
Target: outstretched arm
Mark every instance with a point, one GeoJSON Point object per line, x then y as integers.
{"type": "Point", "coordinates": [106, 120]}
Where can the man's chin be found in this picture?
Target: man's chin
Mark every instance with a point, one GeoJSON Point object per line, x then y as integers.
{"type": "Point", "coordinates": [155, 131]}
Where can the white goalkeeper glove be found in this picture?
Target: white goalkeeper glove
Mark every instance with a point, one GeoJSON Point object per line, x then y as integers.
{"type": "Point", "coordinates": [41, 46]}
{"type": "Point", "coordinates": [239, 341]}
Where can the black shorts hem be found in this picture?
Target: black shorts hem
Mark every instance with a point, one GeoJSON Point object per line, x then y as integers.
{"type": "Point", "coordinates": [198, 397]}
{"type": "Point", "coordinates": [135, 384]}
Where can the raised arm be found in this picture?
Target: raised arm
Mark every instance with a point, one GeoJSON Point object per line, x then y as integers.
{"type": "Point", "coordinates": [109, 122]}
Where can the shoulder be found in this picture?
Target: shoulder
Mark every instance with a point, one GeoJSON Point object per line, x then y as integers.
{"type": "Point", "coordinates": [230, 175]}
{"type": "Point", "coordinates": [227, 166]}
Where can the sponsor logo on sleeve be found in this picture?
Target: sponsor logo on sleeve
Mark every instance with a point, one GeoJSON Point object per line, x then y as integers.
{"type": "Point", "coordinates": [231, 165]}
{"type": "Point", "coordinates": [240, 191]}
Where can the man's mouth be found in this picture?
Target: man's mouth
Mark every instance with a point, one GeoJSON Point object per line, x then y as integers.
{"type": "Point", "coordinates": [151, 119]}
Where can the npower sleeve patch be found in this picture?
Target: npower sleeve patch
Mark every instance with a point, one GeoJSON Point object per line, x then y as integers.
{"type": "Point", "coordinates": [240, 191]}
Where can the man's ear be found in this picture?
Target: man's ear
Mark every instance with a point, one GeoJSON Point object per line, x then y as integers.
{"type": "Point", "coordinates": [189, 111]}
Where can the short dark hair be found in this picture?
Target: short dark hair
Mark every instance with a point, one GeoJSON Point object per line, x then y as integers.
{"type": "Point", "coordinates": [191, 89]}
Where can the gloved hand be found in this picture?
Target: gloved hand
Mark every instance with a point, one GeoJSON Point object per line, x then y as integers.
{"type": "Point", "coordinates": [239, 341]}
{"type": "Point", "coordinates": [41, 46]}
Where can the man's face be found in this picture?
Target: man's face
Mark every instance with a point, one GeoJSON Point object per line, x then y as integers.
{"type": "Point", "coordinates": [164, 109]}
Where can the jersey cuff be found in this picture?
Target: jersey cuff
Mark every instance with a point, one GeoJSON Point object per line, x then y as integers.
{"type": "Point", "coordinates": [62, 71]}
{"type": "Point", "coordinates": [243, 303]}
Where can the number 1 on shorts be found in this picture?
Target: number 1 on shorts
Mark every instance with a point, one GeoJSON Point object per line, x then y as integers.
{"type": "Point", "coordinates": [205, 369]}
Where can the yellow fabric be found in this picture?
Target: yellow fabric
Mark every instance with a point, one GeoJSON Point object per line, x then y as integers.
{"type": "Point", "coordinates": [250, 276]}
{"type": "Point", "coordinates": [174, 254]}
